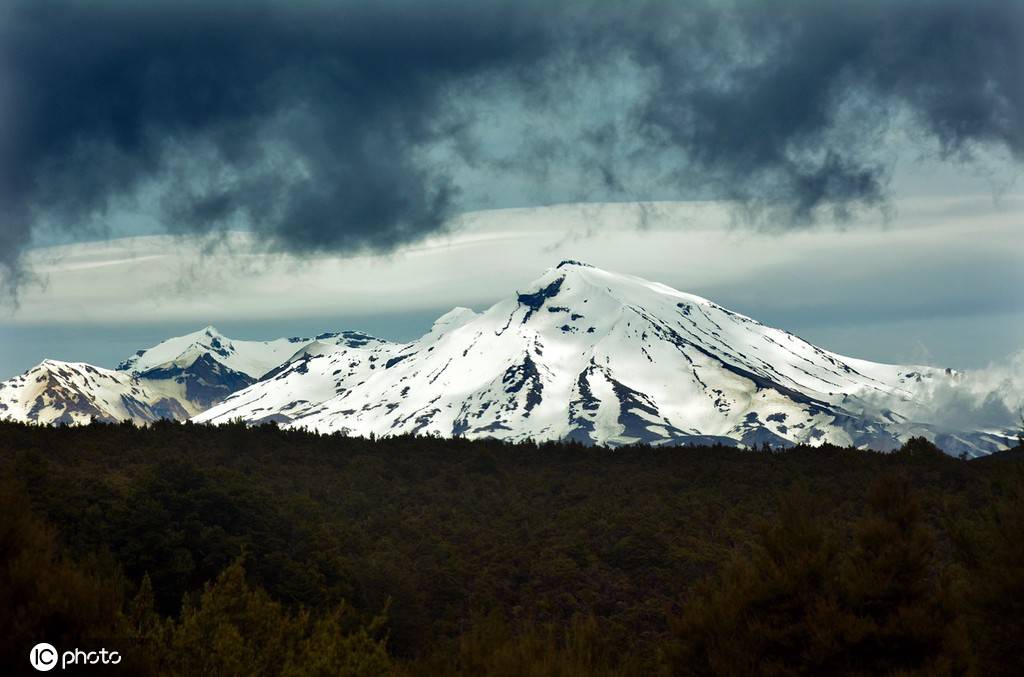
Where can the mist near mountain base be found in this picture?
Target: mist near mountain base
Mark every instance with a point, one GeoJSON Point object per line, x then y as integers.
{"type": "Point", "coordinates": [990, 398]}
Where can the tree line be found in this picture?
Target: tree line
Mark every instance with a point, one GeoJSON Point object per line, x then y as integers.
{"type": "Point", "coordinates": [230, 550]}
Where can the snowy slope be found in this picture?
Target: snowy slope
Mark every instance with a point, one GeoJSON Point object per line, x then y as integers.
{"type": "Point", "coordinates": [73, 392]}
{"type": "Point", "coordinates": [176, 379]}
{"type": "Point", "coordinates": [316, 374]}
{"type": "Point", "coordinates": [252, 358]}
{"type": "Point", "coordinates": [208, 366]}
{"type": "Point", "coordinates": [600, 357]}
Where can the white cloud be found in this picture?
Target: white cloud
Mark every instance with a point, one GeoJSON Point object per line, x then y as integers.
{"type": "Point", "coordinates": [991, 398]}
{"type": "Point", "coordinates": [940, 257]}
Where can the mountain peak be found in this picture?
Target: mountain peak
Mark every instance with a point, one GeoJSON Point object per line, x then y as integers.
{"type": "Point", "coordinates": [573, 262]}
{"type": "Point", "coordinates": [581, 353]}
{"type": "Point", "coordinates": [58, 392]}
{"type": "Point", "coordinates": [587, 289]}
{"type": "Point", "coordinates": [204, 347]}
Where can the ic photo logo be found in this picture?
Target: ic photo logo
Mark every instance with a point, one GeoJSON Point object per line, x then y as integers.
{"type": "Point", "coordinates": [45, 657]}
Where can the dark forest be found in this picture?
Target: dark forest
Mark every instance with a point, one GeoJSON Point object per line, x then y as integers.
{"type": "Point", "coordinates": [254, 550]}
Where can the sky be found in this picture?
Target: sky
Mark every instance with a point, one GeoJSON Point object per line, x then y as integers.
{"type": "Point", "coordinates": [849, 171]}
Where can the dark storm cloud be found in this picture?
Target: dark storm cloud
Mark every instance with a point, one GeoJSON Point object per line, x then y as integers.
{"type": "Point", "coordinates": [307, 116]}
{"type": "Point", "coordinates": [784, 101]}
{"type": "Point", "coordinates": [312, 123]}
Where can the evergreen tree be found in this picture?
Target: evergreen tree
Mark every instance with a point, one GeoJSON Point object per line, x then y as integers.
{"type": "Point", "coordinates": [758, 616]}
{"type": "Point", "coordinates": [45, 596]}
{"type": "Point", "coordinates": [893, 612]}
{"type": "Point", "coordinates": [234, 628]}
{"type": "Point", "coordinates": [794, 606]}
{"type": "Point", "coordinates": [995, 583]}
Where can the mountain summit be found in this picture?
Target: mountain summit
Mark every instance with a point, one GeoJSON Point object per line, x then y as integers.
{"type": "Point", "coordinates": [600, 357]}
{"type": "Point", "coordinates": [580, 353]}
{"type": "Point", "coordinates": [69, 393]}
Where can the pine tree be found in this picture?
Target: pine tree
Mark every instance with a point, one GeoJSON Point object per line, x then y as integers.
{"type": "Point", "coordinates": [893, 612]}
{"type": "Point", "coordinates": [44, 595]}
{"type": "Point", "coordinates": [756, 618]}
{"type": "Point", "coordinates": [234, 628]}
{"type": "Point", "coordinates": [995, 583]}
{"type": "Point", "coordinates": [796, 606]}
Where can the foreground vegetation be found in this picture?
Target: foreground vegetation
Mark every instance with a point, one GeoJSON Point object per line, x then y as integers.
{"type": "Point", "coordinates": [195, 550]}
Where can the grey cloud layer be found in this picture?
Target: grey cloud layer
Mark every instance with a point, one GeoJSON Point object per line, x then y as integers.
{"type": "Point", "coordinates": [314, 123]}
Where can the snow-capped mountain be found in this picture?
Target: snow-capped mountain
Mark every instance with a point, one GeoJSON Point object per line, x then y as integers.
{"type": "Point", "coordinates": [208, 366]}
{"type": "Point", "coordinates": [176, 379]}
{"type": "Point", "coordinates": [73, 392]}
{"type": "Point", "coordinates": [250, 358]}
{"type": "Point", "coordinates": [600, 357]}
{"type": "Point", "coordinates": [581, 353]}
